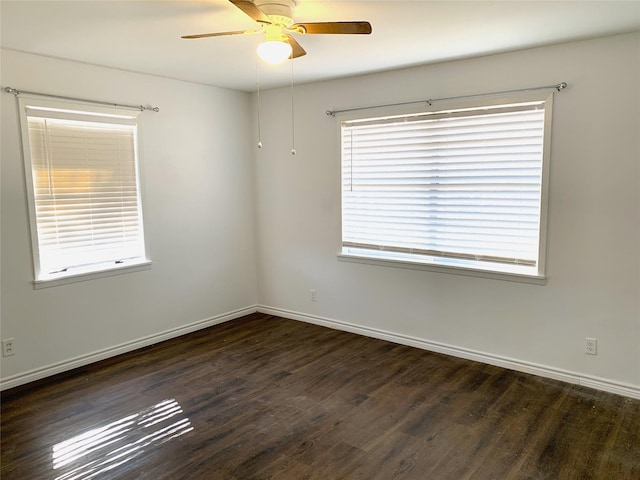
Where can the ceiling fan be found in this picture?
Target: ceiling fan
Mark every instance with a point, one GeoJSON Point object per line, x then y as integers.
{"type": "Point", "coordinates": [276, 22]}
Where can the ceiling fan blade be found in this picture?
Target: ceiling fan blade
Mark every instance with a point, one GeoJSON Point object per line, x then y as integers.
{"type": "Point", "coordinates": [362, 28]}
{"type": "Point", "coordinates": [296, 48]}
{"type": "Point", "coordinates": [250, 9]}
{"type": "Point", "coordinates": [221, 34]}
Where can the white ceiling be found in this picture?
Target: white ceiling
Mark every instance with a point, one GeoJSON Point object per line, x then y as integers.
{"type": "Point", "coordinates": [144, 35]}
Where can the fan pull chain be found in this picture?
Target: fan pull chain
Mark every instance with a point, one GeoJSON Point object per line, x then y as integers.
{"type": "Point", "coordinates": [258, 85]}
{"type": "Point", "coordinates": [293, 120]}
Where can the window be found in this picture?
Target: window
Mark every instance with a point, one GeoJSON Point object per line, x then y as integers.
{"type": "Point", "coordinates": [83, 186]}
{"type": "Point", "coordinates": [462, 188]}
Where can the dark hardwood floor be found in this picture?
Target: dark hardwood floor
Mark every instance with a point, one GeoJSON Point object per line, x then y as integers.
{"type": "Point", "coordinates": [264, 397]}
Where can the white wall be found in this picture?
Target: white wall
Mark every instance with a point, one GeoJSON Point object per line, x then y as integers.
{"type": "Point", "coordinates": [199, 211]}
{"type": "Point", "coordinates": [593, 260]}
{"type": "Point", "coordinates": [202, 192]}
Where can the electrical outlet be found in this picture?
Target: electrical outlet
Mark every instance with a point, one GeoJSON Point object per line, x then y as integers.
{"type": "Point", "coordinates": [8, 347]}
{"type": "Point", "coordinates": [314, 295]}
{"type": "Point", "coordinates": [591, 346]}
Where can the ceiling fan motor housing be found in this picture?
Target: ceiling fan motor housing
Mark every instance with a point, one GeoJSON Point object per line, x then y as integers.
{"type": "Point", "coordinates": [280, 11]}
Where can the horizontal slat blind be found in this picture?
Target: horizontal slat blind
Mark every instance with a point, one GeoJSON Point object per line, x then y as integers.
{"type": "Point", "coordinates": [86, 192]}
{"type": "Point", "coordinates": [462, 186]}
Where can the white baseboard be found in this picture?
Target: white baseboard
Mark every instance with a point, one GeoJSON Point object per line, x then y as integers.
{"type": "Point", "coordinates": [597, 383]}
{"type": "Point", "coordinates": [39, 373]}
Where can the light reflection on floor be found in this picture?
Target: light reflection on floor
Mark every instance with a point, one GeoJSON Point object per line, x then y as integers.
{"type": "Point", "coordinates": [104, 448]}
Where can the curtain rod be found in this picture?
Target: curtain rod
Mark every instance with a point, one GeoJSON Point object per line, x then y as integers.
{"type": "Point", "coordinates": [560, 86]}
{"type": "Point", "coordinates": [142, 108]}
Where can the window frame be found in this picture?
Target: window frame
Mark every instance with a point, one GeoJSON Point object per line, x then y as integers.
{"type": "Point", "coordinates": [441, 265]}
{"type": "Point", "coordinates": [97, 270]}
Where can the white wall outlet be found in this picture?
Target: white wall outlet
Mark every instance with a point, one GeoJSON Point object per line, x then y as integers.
{"type": "Point", "coordinates": [590, 346]}
{"type": "Point", "coordinates": [8, 347]}
{"type": "Point", "coordinates": [314, 295]}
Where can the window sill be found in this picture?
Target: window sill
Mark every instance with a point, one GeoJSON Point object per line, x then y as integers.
{"type": "Point", "coordinates": [413, 263]}
{"type": "Point", "coordinates": [81, 276]}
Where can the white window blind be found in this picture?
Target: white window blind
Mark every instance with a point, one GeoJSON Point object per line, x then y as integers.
{"type": "Point", "coordinates": [461, 185]}
{"type": "Point", "coordinates": [86, 195]}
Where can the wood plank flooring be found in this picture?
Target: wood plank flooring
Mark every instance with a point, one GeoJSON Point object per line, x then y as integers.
{"type": "Point", "coordinates": [264, 397]}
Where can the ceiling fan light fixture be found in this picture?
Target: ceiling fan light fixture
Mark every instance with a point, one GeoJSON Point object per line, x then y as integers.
{"type": "Point", "coordinates": [274, 51]}
{"type": "Point", "coordinates": [275, 19]}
